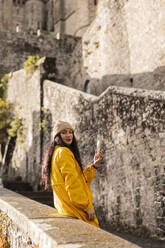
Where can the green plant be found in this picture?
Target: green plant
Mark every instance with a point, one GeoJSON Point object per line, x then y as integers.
{"type": "Point", "coordinates": [3, 85]}
{"type": "Point", "coordinates": [45, 118]}
{"type": "Point", "coordinates": [5, 78]}
{"type": "Point", "coordinates": [16, 127]}
{"type": "Point", "coordinates": [4, 119]}
{"type": "Point", "coordinates": [43, 125]}
{"type": "Point", "coordinates": [10, 125]}
{"type": "Point", "coordinates": [153, 157]}
{"type": "Point", "coordinates": [11, 131]}
{"type": "Point", "coordinates": [30, 64]}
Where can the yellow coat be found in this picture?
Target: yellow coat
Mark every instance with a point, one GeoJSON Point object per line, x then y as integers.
{"type": "Point", "coordinates": [72, 194]}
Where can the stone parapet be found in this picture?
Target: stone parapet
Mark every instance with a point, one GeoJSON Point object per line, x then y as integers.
{"type": "Point", "coordinates": [31, 224]}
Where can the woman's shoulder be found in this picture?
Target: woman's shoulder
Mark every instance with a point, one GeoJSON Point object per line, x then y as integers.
{"type": "Point", "coordinates": [62, 151]}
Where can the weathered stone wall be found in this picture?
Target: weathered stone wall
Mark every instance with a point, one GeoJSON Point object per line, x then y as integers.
{"type": "Point", "coordinates": [111, 45]}
{"type": "Point", "coordinates": [51, 14]}
{"type": "Point", "coordinates": [11, 235]}
{"type": "Point", "coordinates": [24, 93]}
{"type": "Point", "coordinates": [114, 53]}
{"type": "Point", "coordinates": [72, 17]}
{"type": "Point", "coordinates": [62, 103]}
{"type": "Point", "coordinates": [5, 14]}
{"type": "Point", "coordinates": [129, 188]}
{"type": "Point", "coordinates": [124, 46]}
{"type": "Point", "coordinates": [15, 47]}
{"type": "Point", "coordinates": [25, 14]}
{"type": "Point", "coordinates": [29, 224]}
{"type": "Point", "coordinates": [35, 12]}
{"type": "Point", "coordinates": [68, 16]}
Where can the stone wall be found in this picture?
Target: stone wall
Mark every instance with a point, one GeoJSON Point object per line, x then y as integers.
{"type": "Point", "coordinates": [11, 235]}
{"type": "Point", "coordinates": [124, 46]}
{"type": "Point", "coordinates": [129, 188]}
{"type": "Point", "coordinates": [27, 223]}
{"type": "Point", "coordinates": [25, 14]}
{"type": "Point", "coordinates": [15, 47]}
{"type": "Point", "coordinates": [72, 17]}
{"type": "Point", "coordinates": [112, 51]}
{"type": "Point", "coordinates": [24, 93]}
{"type": "Point", "coordinates": [35, 15]}
{"type": "Point", "coordinates": [67, 16]}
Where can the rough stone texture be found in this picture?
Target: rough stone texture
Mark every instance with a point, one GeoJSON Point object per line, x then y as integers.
{"type": "Point", "coordinates": [34, 223]}
{"type": "Point", "coordinates": [15, 48]}
{"type": "Point", "coordinates": [24, 93]}
{"type": "Point", "coordinates": [112, 51]}
{"type": "Point", "coordinates": [125, 45]}
{"type": "Point", "coordinates": [72, 17]}
{"type": "Point", "coordinates": [22, 15]}
{"type": "Point", "coordinates": [11, 235]}
{"type": "Point", "coordinates": [35, 15]}
{"type": "Point", "coordinates": [129, 188]}
{"type": "Point", "coordinates": [67, 16]}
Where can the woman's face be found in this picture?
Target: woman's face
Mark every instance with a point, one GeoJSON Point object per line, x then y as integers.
{"type": "Point", "coordinates": [67, 136]}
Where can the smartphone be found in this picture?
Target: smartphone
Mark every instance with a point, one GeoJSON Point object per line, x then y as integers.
{"type": "Point", "coordinates": [98, 145]}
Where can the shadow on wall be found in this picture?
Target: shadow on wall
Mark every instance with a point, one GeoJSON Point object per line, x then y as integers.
{"type": "Point", "coordinates": [140, 241]}
{"type": "Point", "coordinates": [26, 177]}
{"type": "Point", "coordinates": [41, 133]}
{"type": "Point", "coordinates": [148, 80]}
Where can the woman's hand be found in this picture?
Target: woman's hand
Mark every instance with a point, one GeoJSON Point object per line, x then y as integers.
{"type": "Point", "coordinates": [97, 158]}
{"type": "Point", "coordinates": [91, 214]}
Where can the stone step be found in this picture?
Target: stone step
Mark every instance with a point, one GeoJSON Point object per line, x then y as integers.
{"type": "Point", "coordinates": [42, 197]}
{"type": "Point", "coordinates": [17, 186]}
{"type": "Point", "coordinates": [25, 189]}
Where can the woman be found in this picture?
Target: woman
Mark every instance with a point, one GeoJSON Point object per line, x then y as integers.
{"type": "Point", "coordinates": [62, 169]}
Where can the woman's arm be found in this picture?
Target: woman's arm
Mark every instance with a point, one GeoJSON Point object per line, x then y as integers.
{"type": "Point", "coordinates": [90, 171]}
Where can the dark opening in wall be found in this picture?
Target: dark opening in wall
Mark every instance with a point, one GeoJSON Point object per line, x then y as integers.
{"type": "Point", "coordinates": [86, 86]}
{"type": "Point", "coordinates": [131, 81]}
{"type": "Point", "coordinates": [19, 2]}
{"type": "Point", "coordinates": [95, 2]}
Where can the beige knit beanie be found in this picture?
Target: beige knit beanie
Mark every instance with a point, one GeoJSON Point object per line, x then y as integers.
{"type": "Point", "coordinates": [61, 125]}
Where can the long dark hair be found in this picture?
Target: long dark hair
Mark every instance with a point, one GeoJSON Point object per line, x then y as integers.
{"type": "Point", "coordinates": [46, 164]}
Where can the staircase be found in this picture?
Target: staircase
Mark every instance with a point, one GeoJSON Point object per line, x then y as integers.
{"type": "Point", "coordinates": [44, 197]}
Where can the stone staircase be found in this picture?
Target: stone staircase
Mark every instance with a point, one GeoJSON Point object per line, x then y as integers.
{"type": "Point", "coordinates": [44, 197]}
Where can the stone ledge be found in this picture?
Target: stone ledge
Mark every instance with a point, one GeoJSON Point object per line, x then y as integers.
{"type": "Point", "coordinates": [48, 229]}
{"type": "Point", "coordinates": [135, 92]}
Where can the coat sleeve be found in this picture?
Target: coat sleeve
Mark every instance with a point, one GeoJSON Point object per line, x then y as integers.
{"type": "Point", "coordinates": [89, 173]}
{"type": "Point", "coordinates": [73, 184]}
